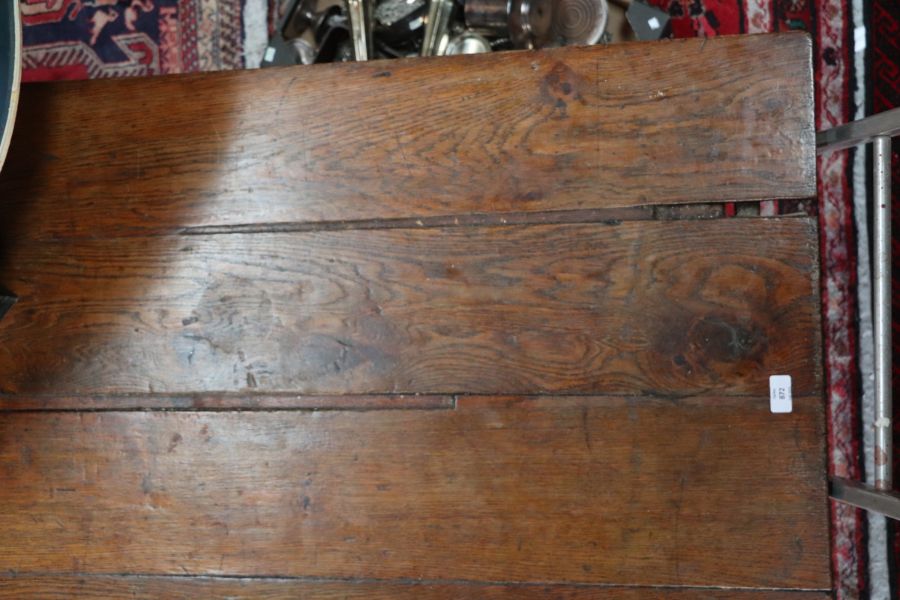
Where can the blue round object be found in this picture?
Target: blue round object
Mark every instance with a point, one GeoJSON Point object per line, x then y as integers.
{"type": "Point", "coordinates": [10, 70]}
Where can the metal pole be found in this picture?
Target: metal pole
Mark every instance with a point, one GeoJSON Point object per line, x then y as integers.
{"type": "Point", "coordinates": [361, 28]}
{"type": "Point", "coordinates": [437, 27]}
{"type": "Point", "coordinates": [882, 310]}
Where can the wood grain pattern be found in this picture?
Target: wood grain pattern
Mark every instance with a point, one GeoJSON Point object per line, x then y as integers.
{"type": "Point", "coordinates": [554, 490]}
{"type": "Point", "coordinates": [180, 588]}
{"type": "Point", "coordinates": [666, 308]}
{"type": "Point", "coordinates": [331, 279]}
{"type": "Point", "coordinates": [729, 118]}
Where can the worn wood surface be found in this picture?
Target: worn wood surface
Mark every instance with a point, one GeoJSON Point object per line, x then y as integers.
{"type": "Point", "coordinates": [728, 118]}
{"type": "Point", "coordinates": [317, 271]}
{"type": "Point", "coordinates": [575, 489]}
{"type": "Point", "coordinates": [180, 588]}
{"type": "Point", "coordinates": [667, 308]}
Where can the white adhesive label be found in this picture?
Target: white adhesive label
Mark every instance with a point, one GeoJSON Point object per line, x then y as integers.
{"type": "Point", "coordinates": [270, 54]}
{"type": "Point", "coordinates": [859, 39]}
{"type": "Point", "coordinates": [653, 23]}
{"type": "Point", "coordinates": [780, 400]}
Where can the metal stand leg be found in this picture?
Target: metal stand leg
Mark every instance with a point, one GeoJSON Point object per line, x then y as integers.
{"type": "Point", "coordinates": [882, 310]}
{"type": "Point", "coordinates": [877, 129]}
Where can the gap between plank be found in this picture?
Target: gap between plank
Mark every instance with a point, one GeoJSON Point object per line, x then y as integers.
{"type": "Point", "coordinates": [207, 403]}
{"type": "Point", "coordinates": [400, 581]}
{"type": "Point", "coordinates": [225, 402]}
{"type": "Point", "coordinates": [607, 216]}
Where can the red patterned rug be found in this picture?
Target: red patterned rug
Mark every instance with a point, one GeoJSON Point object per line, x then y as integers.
{"type": "Point", "coordinates": [80, 39]}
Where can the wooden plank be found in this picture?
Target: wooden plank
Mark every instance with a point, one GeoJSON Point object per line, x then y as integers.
{"type": "Point", "coordinates": [191, 588]}
{"type": "Point", "coordinates": [665, 308]}
{"type": "Point", "coordinates": [729, 118]}
{"type": "Point", "coordinates": [553, 490]}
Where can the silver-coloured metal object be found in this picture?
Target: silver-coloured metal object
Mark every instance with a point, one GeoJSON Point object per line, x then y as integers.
{"type": "Point", "coordinates": [468, 42]}
{"type": "Point", "coordinates": [399, 21]}
{"type": "Point", "coordinates": [389, 12]}
{"type": "Point", "coordinates": [540, 23]}
{"type": "Point", "coordinates": [437, 27]}
{"type": "Point", "coordinates": [361, 28]}
{"type": "Point", "coordinates": [882, 312]}
{"type": "Point", "coordinates": [530, 22]}
{"type": "Point", "coordinates": [866, 497]}
{"type": "Point", "coordinates": [859, 132]}
{"type": "Point", "coordinates": [878, 129]}
{"type": "Point", "coordinates": [488, 15]}
{"type": "Point", "coordinates": [569, 23]}
{"type": "Point", "coordinates": [305, 51]}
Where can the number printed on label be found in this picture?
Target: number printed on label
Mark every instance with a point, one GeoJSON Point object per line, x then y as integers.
{"type": "Point", "coordinates": [780, 400]}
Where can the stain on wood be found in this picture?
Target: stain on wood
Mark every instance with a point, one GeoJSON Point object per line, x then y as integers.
{"type": "Point", "coordinates": [552, 490]}
{"type": "Point", "coordinates": [180, 588]}
{"type": "Point", "coordinates": [681, 121]}
{"type": "Point", "coordinates": [665, 308]}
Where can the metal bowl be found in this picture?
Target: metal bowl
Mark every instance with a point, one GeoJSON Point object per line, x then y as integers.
{"type": "Point", "coordinates": [548, 23]}
{"type": "Point", "coordinates": [540, 23]}
{"type": "Point", "coordinates": [10, 70]}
